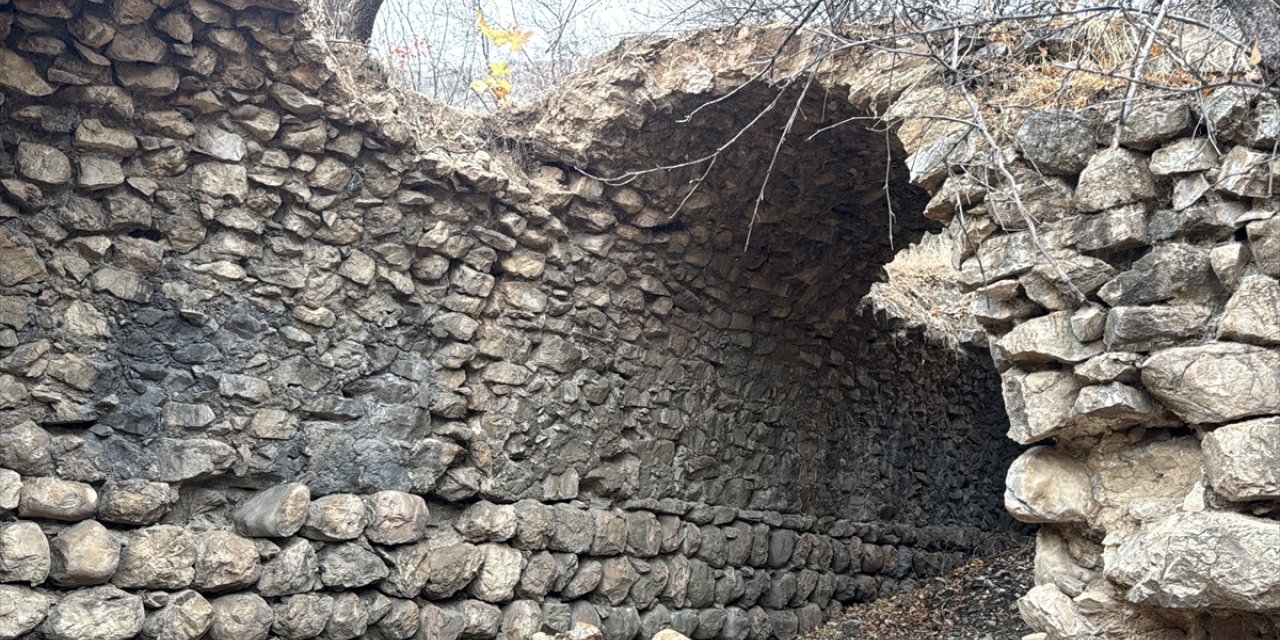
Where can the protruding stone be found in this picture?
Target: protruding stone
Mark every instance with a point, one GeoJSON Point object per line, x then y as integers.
{"type": "Point", "coordinates": [1043, 485]}
{"type": "Point", "coordinates": [57, 499]}
{"type": "Point", "coordinates": [43, 164]}
{"type": "Point", "coordinates": [1057, 142]}
{"type": "Point", "coordinates": [1215, 383]}
{"type": "Point", "coordinates": [225, 562]}
{"type": "Point", "coordinates": [82, 555]}
{"type": "Point", "coordinates": [499, 573]}
{"type": "Point", "coordinates": [337, 517]}
{"type": "Point", "coordinates": [1253, 313]}
{"type": "Point", "coordinates": [278, 512]}
{"type": "Point", "coordinates": [97, 613]}
{"type": "Point", "coordinates": [1166, 565]}
{"type": "Point", "coordinates": [21, 610]}
{"type": "Point", "coordinates": [1114, 177]}
{"type": "Point", "coordinates": [487, 522]}
{"type": "Point", "coordinates": [1240, 460]}
{"type": "Point", "coordinates": [396, 517]}
{"type": "Point", "coordinates": [159, 557]}
{"type": "Point", "coordinates": [1039, 404]}
{"type": "Point", "coordinates": [135, 502]}
{"type": "Point", "coordinates": [1045, 339]}
{"type": "Point", "coordinates": [186, 616]}
{"type": "Point", "coordinates": [240, 616]}
{"type": "Point", "coordinates": [24, 448]}
{"type": "Point", "coordinates": [302, 616]}
{"type": "Point", "coordinates": [294, 570]}
{"type": "Point", "coordinates": [24, 553]}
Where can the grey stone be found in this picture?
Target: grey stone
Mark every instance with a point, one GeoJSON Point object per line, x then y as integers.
{"type": "Point", "coordinates": [240, 616]}
{"type": "Point", "coordinates": [24, 553]}
{"type": "Point", "coordinates": [617, 576]}
{"type": "Point", "coordinates": [1228, 262]}
{"type": "Point", "coordinates": [396, 517]}
{"type": "Point", "coordinates": [573, 530]}
{"type": "Point", "coordinates": [1114, 177]}
{"type": "Point", "coordinates": [1168, 271]}
{"type": "Point", "coordinates": [350, 565]}
{"type": "Point", "coordinates": [1215, 383]}
{"type": "Point", "coordinates": [10, 489]}
{"type": "Point", "coordinates": [1243, 173]}
{"type": "Point", "coordinates": [135, 502]}
{"type": "Point", "coordinates": [57, 499]}
{"type": "Point", "coordinates": [1264, 245]}
{"type": "Point", "coordinates": [219, 144]}
{"type": "Point", "coordinates": [277, 512]}
{"type": "Point", "coordinates": [1045, 339]}
{"type": "Point", "coordinates": [401, 621]}
{"type": "Point", "coordinates": [1184, 156]}
{"type": "Point", "coordinates": [96, 613]}
{"type": "Point", "coordinates": [225, 562]}
{"type": "Point", "coordinates": [499, 573]}
{"type": "Point", "coordinates": [19, 75]}
{"type": "Point", "coordinates": [1057, 142]}
{"type": "Point", "coordinates": [1141, 329]}
{"type": "Point", "coordinates": [1239, 460]}
{"type": "Point", "coordinates": [158, 557]}
{"type": "Point", "coordinates": [337, 517]}
{"type": "Point", "coordinates": [24, 448]}
{"type": "Point", "coordinates": [1168, 564]}
{"type": "Point", "coordinates": [1040, 404]}
{"type": "Point", "coordinates": [487, 522]}
{"type": "Point", "coordinates": [42, 163]}
{"type": "Point", "coordinates": [21, 610]}
{"type": "Point", "coordinates": [294, 570]}
{"type": "Point", "coordinates": [186, 616]}
{"type": "Point", "coordinates": [1149, 124]}
{"type": "Point", "coordinates": [83, 554]}
{"type": "Point", "coordinates": [1115, 229]}
{"type": "Point", "coordinates": [350, 618]}
{"type": "Point", "coordinates": [452, 568]}
{"type": "Point", "coordinates": [1253, 313]}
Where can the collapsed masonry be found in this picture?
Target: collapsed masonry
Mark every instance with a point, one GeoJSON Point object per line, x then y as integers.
{"type": "Point", "coordinates": [272, 366]}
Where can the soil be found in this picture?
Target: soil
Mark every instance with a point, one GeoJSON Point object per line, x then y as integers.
{"type": "Point", "coordinates": [977, 601]}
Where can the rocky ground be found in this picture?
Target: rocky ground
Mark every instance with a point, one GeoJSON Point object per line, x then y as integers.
{"type": "Point", "coordinates": [975, 602]}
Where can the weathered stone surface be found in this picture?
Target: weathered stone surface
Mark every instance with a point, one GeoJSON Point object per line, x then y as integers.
{"type": "Point", "coordinates": [277, 512]}
{"type": "Point", "coordinates": [84, 554]}
{"type": "Point", "coordinates": [1240, 460]}
{"type": "Point", "coordinates": [301, 616]}
{"type": "Point", "coordinates": [294, 570]}
{"type": "Point", "coordinates": [1045, 339]}
{"type": "Point", "coordinates": [1253, 313]}
{"type": "Point", "coordinates": [21, 610]}
{"type": "Point", "coordinates": [24, 448]}
{"type": "Point", "coordinates": [1044, 485]}
{"type": "Point", "coordinates": [499, 573]}
{"type": "Point", "coordinates": [1184, 156]}
{"type": "Point", "coordinates": [225, 562]}
{"type": "Point", "coordinates": [1123, 227]}
{"type": "Point", "coordinates": [487, 522]}
{"type": "Point", "coordinates": [158, 557]}
{"type": "Point", "coordinates": [452, 568]}
{"type": "Point", "coordinates": [97, 613]}
{"type": "Point", "coordinates": [1140, 329]}
{"type": "Point", "coordinates": [1039, 404]}
{"type": "Point", "coordinates": [350, 565]}
{"type": "Point", "coordinates": [24, 553]}
{"type": "Point", "coordinates": [57, 499]}
{"type": "Point", "coordinates": [240, 616]}
{"type": "Point", "coordinates": [186, 616]}
{"type": "Point", "coordinates": [17, 74]}
{"type": "Point", "coordinates": [1168, 271]}
{"type": "Point", "coordinates": [1057, 142]}
{"type": "Point", "coordinates": [1215, 383]}
{"type": "Point", "coordinates": [337, 517]}
{"type": "Point", "coordinates": [1200, 560]}
{"type": "Point", "coordinates": [396, 517]}
{"type": "Point", "coordinates": [135, 502]}
{"type": "Point", "coordinates": [1148, 124]}
{"type": "Point", "coordinates": [1114, 177]}
{"type": "Point", "coordinates": [43, 164]}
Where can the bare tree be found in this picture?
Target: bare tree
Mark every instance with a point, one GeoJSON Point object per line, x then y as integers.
{"type": "Point", "coordinates": [1259, 21]}
{"type": "Point", "coordinates": [350, 19]}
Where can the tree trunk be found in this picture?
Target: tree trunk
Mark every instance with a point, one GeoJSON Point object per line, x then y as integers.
{"type": "Point", "coordinates": [351, 19]}
{"type": "Point", "coordinates": [1259, 21]}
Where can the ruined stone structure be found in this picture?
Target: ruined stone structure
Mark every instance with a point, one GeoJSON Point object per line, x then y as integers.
{"type": "Point", "coordinates": [275, 364]}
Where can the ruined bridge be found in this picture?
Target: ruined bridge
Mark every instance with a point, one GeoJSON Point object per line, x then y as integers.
{"type": "Point", "coordinates": [277, 362]}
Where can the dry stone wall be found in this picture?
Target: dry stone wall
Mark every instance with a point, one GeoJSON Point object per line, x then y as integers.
{"type": "Point", "coordinates": [270, 366]}
{"type": "Point", "coordinates": [1149, 391]}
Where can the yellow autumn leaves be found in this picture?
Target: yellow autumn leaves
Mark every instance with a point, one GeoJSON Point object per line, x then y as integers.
{"type": "Point", "coordinates": [497, 83]}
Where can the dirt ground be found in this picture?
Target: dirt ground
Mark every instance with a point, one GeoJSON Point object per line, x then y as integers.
{"type": "Point", "coordinates": [975, 602]}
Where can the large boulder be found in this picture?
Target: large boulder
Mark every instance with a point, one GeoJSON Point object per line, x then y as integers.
{"type": "Point", "coordinates": [1215, 383]}
{"type": "Point", "coordinates": [1242, 460]}
{"type": "Point", "coordinates": [1044, 485]}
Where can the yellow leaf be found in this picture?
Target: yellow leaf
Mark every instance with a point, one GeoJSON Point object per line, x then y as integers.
{"type": "Point", "coordinates": [512, 38]}
{"type": "Point", "coordinates": [499, 69]}
{"type": "Point", "coordinates": [479, 86]}
{"type": "Point", "coordinates": [1255, 57]}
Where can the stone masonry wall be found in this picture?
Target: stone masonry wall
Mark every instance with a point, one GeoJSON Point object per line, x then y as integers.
{"type": "Point", "coordinates": [272, 367]}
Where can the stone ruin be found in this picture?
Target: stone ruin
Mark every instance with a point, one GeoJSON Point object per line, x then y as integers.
{"type": "Point", "coordinates": [274, 363]}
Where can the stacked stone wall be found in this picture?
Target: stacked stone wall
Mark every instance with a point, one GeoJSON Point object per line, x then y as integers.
{"type": "Point", "coordinates": [272, 367]}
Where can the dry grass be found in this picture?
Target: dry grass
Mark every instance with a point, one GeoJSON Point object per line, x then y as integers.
{"type": "Point", "coordinates": [922, 291]}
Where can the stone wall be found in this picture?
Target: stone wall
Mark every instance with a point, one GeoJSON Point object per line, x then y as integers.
{"type": "Point", "coordinates": [274, 364]}
{"type": "Point", "coordinates": [1151, 389]}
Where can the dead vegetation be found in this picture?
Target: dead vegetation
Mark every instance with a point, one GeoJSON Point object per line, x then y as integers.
{"type": "Point", "coordinates": [922, 291]}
